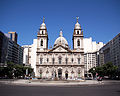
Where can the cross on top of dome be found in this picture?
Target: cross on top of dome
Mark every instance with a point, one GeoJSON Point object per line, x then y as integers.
{"type": "Point", "coordinates": [61, 33]}
{"type": "Point", "coordinates": [43, 19]}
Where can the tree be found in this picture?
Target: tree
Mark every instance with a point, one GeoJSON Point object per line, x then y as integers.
{"type": "Point", "coordinates": [107, 69]}
{"type": "Point", "coordinates": [93, 71]}
{"type": "Point", "coordinates": [14, 70]}
{"type": "Point", "coordinates": [110, 69]}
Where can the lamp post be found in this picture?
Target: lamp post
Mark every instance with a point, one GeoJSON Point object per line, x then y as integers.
{"type": "Point", "coordinates": [14, 72]}
{"type": "Point", "coordinates": [94, 73]}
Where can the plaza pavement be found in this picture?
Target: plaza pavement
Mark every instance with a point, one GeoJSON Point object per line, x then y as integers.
{"type": "Point", "coordinates": [54, 83]}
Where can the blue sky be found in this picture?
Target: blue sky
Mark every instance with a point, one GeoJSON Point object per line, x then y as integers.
{"type": "Point", "coordinates": [100, 19]}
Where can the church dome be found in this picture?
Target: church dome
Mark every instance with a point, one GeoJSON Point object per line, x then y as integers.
{"type": "Point", "coordinates": [61, 41]}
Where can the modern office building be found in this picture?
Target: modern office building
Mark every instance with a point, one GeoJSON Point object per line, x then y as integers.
{"type": "Point", "coordinates": [110, 52]}
{"type": "Point", "coordinates": [13, 36]}
{"type": "Point", "coordinates": [10, 50]}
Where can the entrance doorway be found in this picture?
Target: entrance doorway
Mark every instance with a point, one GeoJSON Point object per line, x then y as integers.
{"type": "Point", "coordinates": [66, 75]}
{"type": "Point", "coordinates": [60, 73]}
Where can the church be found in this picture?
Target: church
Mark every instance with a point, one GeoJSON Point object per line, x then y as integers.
{"type": "Point", "coordinates": [60, 61]}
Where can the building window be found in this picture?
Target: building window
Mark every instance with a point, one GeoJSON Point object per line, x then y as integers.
{"type": "Point", "coordinates": [41, 59]}
{"type": "Point", "coordinates": [72, 60]}
{"type": "Point", "coordinates": [78, 60]}
{"type": "Point", "coordinates": [27, 59]}
{"type": "Point", "coordinates": [77, 32]}
{"type": "Point", "coordinates": [78, 42]}
{"type": "Point", "coordinates": [41, 42]}
{"type": "Point", "coordinates": [60, 59]}
{"type": "Point", "coordinates": [11, 36]}
{"type": "Point", "coordinates": [47, 60]}
{"type": "Point", "coordinates": [53, 60]}
{"type": "Point", "coordinates": [42, 32]}
{"type": "Point", "coordinates": [66, 60]}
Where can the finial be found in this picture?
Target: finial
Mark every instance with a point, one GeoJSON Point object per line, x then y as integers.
{"type": "Point", "coordinates": [77, 18]}
{"type": "Point", "coordinates": [43, 19]}
{"type": "Point", "coordinates": [61, 33]}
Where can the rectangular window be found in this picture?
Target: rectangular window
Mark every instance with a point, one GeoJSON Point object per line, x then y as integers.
{"type": "Point", "coordinates": [78, 60]}
{"type": "Point", "coordinates": [11, 36]}
{"type": "Point", "coordinates": [66, 60]}
{"type": "Point", "coordinates": [41, 60]}
{"type": "Point", "coordinates": [53, 60]}
{"type": "Point", "coordinates": [26, 59]}
{"type": "Point", "coordinates": [47, 60]}
{"type": "Point", "coordinates": [60, 60]}
{"type": "Point", "coordinates": [72, 60]}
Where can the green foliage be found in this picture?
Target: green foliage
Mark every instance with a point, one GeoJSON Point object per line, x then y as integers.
{"type": "Point", "coordinates": [14, 70]}
{"type": "Point", "coordinates": [93, 71]}
{"type": "Point", "coordinates": [107, 69]}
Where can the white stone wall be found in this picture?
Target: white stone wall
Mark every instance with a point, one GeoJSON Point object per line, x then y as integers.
{"type": "Point", "coordinates": [69, 66]}
{"type": "Point", "coordinates": [75, 43]}
{"type": "Point", "coordinates": [33, 55]}
{"type": "Point", "coordinates": [27, 54]}
{"type": "Point", "coordinates": [44, 43]}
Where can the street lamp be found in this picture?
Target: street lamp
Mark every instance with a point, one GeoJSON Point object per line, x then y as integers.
{"type": "Point", "coordinates": [94, 73]}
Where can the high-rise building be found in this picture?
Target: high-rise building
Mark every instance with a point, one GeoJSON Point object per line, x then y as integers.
{"type": "Point", "coordinates": [10, 51]}
{"type": "Point", "coordinates": [13, 36]}
{"type": "Point", "coordinates": [110, 52]}
{"type": "Point", "coordinates": [29, 55]}
{"type": "Point", "coordinates": [91, 54]}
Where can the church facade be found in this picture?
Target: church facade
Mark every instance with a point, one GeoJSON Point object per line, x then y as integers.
{"type": "Point", "coordinates": [60, 61]}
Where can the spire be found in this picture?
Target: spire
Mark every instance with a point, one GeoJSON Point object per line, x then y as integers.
{"type": "Point", "coordinates": [61, 33]}
{"type": "Point", "coordinates": [77, 25]}
{"type": "Point", "coordinates": [43, 25]}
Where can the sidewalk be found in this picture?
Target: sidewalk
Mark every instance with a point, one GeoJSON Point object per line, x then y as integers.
{"type": "Point", "coordinates": [48, 83]}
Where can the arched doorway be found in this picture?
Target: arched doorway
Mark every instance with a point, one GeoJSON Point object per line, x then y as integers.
{"type": "Point", "coordinates": [60, 73]}
{"type": "Point", "coordinates": [66, 74]}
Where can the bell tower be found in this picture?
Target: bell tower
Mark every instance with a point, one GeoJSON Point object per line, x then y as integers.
{"type": "Point", "coordinates": [77, 37]}
{"type": "Point", "coordinates": [42, 37]}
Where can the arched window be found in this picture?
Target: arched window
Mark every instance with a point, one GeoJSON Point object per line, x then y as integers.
{"type": "Point", "coordinates": [42, 32]}
{"type": "Point", "coordinates": [41, 42]}
{"type": "Point", "coordinates": [77, 32]}
{"type": "Point", "coordinates": [78, 42]}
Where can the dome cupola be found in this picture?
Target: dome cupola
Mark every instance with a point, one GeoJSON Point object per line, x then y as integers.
{"type": "Point", "coordinates": [61, 41]}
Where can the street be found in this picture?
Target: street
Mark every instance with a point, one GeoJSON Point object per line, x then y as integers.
{"type": "Point", "coordinates": [74, 90]}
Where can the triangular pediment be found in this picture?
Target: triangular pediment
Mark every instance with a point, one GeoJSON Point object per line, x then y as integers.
{"type": "Point", "coordinates": [60, 48]}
